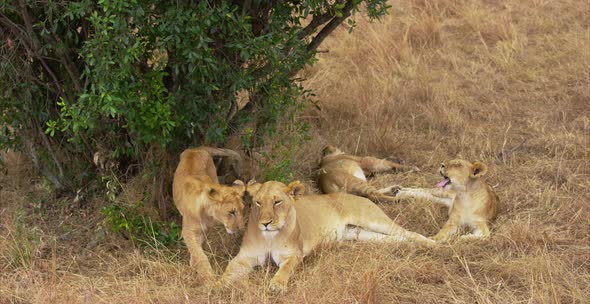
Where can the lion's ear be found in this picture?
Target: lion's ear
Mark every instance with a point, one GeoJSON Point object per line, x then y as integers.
{"type": "Point", "coordinates": [295, 189]}
{"type": "Point", "coordinates": [250, 190]}
{"type": "Point", "coordinates": [478, 169]}
{"type": "Point", "coordinates": [239, 184]}
{"type": "Point", "coordinates": [252, 187]}
{"type": "Point", "coordinates": [214, 194]}
{"type": "Point", "coordinates": [329, 149]}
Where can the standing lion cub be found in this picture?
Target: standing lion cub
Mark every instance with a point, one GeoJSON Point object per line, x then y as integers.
{"type": "Point", "coordinates": [341, 172]}
{"type": "Point", "coordinates": [203, 202]}
{"type": "Point", "coordinates": [471, 201]}
{"type": "Point", "coordinates": [286, 226]}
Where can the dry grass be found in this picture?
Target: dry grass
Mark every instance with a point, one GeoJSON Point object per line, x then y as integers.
{"type": "Point", "coordinates": [504, 82]}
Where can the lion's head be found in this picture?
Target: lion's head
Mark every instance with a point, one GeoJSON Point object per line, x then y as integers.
{"type": "Point", "coordinates": [458, 173]}
{"type": "Point", "coordinates": [227, 205]}
{"type": "Point", "coordinates": [331, 150]}
{"type": "Point", "coordinates": [273, 202]}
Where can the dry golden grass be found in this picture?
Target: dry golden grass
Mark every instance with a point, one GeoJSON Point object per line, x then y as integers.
{"type": "Point", "coordinates": [504, 82]}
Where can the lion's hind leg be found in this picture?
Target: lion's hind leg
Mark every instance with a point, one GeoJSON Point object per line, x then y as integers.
{"type": "Point", "coordinates": [371, 218]}
{"type": "Point", "coordinates": [356, 233]}
{"type": "Point", "coordinates": [362, 188]}
{"type": "Point", "coordinates": [371, 165]}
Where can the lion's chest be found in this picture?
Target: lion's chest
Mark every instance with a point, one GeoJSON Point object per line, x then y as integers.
{"type": "Point", "coordinates": [466, 208]}
{"type": "Point", "coordinates": [277, 252]}
{"type": "Point", "coordinates": [276, 248]}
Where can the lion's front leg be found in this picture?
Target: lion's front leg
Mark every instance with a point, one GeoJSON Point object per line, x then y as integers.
{"type": "Point", "coordinates": [286, 269]}
{"type": "Point", "coordinates": [480, 231]}
{"type": "Point", "coordinates": [238, 267]}
{"type": "Point", "coordinates": [193, 238]}
{"type": "Point", "coordinates": [431, 195]}
{"type": "Point", "coordinates": [450, 228]}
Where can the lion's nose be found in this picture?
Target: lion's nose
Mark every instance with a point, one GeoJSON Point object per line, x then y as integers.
{"type": "Point", "coordinates": [266, 224]}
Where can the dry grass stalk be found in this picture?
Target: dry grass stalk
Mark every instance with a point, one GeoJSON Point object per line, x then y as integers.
{"type": "Point", "coordinates": [503, 82]}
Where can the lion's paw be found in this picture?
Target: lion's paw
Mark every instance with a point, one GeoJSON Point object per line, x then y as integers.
{"type": "Point", "coordinates": [278, 285]}
{"type": "Point", "coordinates": [393, 190]}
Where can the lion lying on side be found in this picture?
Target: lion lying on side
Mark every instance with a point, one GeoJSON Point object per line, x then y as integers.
{"type": "Point", "coordinates": [203, 202]}
{"type": "Point", "coordinates": [471, 201]}
{"type": "Point", "coordinates": [341, 172]}
{"type": "Point", "coordinates": [287, 226]}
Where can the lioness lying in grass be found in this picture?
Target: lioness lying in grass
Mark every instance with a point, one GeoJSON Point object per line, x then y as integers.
{"type": "Point", "coordinates": [287, 226]}
{"type": "Point", "coordinates": [341, 172]}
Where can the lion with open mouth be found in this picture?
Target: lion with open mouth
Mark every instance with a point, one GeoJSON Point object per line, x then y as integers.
{"type": "Point", "coordinates": [471, 201]}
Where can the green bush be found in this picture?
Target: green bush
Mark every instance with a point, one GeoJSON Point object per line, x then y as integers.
{"type": "Point", "coordinates": [142, 79]}
{"type": "Point", "coordinates": [141, 228]}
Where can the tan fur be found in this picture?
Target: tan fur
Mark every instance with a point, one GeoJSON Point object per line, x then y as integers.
{"type": "Point", "coordinates": [471, 201]}
{"type": "Point", "coordinates": [341, 172]}
{"type": "Point", "coordinates": [286, 226]}
{"type": "Point", "coordinates": [203, 202]}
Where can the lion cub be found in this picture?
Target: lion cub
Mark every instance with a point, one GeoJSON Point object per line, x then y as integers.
{"type": "Point", "coordinates": [203, 202]}
{"type": "Point", "coordinates": [286, 226]}
{"type": "Point", "coordinates": [471, 201]}
{"type": "Point", "coordinates": [341, 172]}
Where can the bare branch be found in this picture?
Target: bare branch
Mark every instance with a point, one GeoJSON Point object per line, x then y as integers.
{"type": "Point", "coordinates": [316, 22]}
{"type": "Point", "coordinates": [49, 149]}
{"type": "Point", "coordinates": [331, 26]}
{"type": "Point", "coordinates": [70, 67]}
{"type": "Point", "coordinates": [30, 45]}
{"type": "Point", "coordinates": [35, 159]}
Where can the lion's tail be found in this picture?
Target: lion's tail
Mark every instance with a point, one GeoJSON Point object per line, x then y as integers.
{"type": "Point", "coordinates": [232, 156]}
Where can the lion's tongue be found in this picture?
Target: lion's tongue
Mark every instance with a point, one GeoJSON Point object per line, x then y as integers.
{"type": "Point", "coordinates": [443, 183]}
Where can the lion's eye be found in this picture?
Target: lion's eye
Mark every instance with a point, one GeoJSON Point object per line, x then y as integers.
{"type": "Point", "coordinates": [232, 213]}
{"type": "Point", "coordinates": [257, 204]}
{"type": "Point", "coordinates": [278, 203]}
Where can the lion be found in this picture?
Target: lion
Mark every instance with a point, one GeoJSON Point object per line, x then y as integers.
{"type": "Point", "coordinates": [471, 201]}
{"type": "Point", "coordinates": [341, 172]}
{"type": "Point", "coordinates": [286, 226]}
{"type": "Point", "coordinates": [203, 202]}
